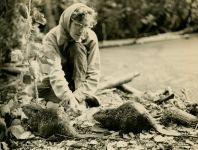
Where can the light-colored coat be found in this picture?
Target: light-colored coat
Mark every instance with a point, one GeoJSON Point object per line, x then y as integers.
{"type": "Point", "coordinates": [54, 43]}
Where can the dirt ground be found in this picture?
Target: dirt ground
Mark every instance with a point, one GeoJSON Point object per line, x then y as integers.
{"type": "Point", "coordinates": [162, 64]}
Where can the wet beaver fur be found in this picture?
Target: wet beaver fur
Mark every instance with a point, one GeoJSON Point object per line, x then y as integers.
{"type": "Point", "coordinates": [130, 117]}
{"type": "Point", "coordinates": [47, 122]}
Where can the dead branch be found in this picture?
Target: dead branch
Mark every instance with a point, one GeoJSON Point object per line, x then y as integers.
{"type": "Point", "coordinates": [131, 90]}
{"type": "Point", "coordinates": [118, 81]}
{"type": "Point", "coordinates": [180, 116]}
{"type": "Point", "coordinates": [164, 99]}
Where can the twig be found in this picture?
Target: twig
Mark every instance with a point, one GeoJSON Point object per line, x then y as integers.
{"type": "Point", "coordinates": [196, 126]}
{"type": "Point", "coordinates": [161, 100]}
{"type": "Point", "coordinates": [29, 5]}
{"type": "Point", "coordinates": [36, 90]}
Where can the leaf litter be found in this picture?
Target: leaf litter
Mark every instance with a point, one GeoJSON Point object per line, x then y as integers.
{"type": "Point", "coordinates": [155, 102]}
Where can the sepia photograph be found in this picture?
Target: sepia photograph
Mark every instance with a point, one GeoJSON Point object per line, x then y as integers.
{"type": "Point", "coordinates": [98, 75]}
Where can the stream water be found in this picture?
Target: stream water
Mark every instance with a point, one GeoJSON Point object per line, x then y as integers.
{"type": "Point", "coordinates": [171, 63]}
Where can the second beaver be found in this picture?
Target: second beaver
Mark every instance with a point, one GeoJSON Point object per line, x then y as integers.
{"type": "Point", "coordinates": [47, 122]}
{"type": "Point", "coordinates": [130, 117]}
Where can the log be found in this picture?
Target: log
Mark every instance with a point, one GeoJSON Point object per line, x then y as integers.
{"type": "Point", "coordinates": [131, 90]}
{"type": "Point", "coordinates": [117, 82]}
{"type": "Point", "coordinates": [179, 116]}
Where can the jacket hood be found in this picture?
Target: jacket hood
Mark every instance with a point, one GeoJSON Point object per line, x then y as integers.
{"type": "Point", "coordinates": [64, 22]}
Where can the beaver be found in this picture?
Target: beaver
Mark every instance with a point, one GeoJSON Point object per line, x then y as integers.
{"type": "Point", "coordinates": [130, 117]}
{"type": "Point", "coordinates": [46, 122]}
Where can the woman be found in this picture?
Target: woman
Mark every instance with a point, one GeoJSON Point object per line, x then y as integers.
{"type": "Point", "coordinates": [72, 48]}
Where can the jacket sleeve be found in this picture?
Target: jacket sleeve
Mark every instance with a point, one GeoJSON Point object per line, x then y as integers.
{"type": "Point", "coordinates": [89, 86]}
{"type": "Point", "coordinates": [56, 74]}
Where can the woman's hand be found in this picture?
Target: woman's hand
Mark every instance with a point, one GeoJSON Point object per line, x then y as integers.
{"type": "Point", "coordinates": [70, 102]}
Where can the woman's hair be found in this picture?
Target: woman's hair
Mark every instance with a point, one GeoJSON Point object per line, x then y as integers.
{"type": "Point", "coordinates": [85, 13]}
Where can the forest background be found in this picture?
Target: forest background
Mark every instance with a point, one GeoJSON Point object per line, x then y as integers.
{"type": "Point", "coordinates": [116, 19]}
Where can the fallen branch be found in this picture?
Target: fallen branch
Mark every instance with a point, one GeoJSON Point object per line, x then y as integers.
{"type": "Point", "coordinates": [164, 99]}
{"type": "Point", "coordinates": [131, 90]}
{"type": "Point", "coordinates": [180, 116]}
{"type": "Point", "coordinates": [117, 82]}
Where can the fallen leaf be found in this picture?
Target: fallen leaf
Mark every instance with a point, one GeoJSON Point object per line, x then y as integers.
{"type": "Point", "coordinates": [54, 148]}
{"type": "Point", "coordinates": [126, 136]}
{"type": "Point", "coordinates": [146, 136]}
{"type": "Point", "coordinates": [11, 103]}
{"type": "Point", "coordinates": [70, 142]}
{"type": "Point", "coordinates": [26, 99]}
{"type": "Point", "coordinates": [97, 129]}
{"type": "Point", "coordinates": [26, 135]}
{"type": "Point", "coordinates": [121, 144]}
{"type": "Point", "coordinates": [4, 146]}
{"type": "Point", "coordinates": [139, 147]}
{"type": "Point", "coordinates": [131, 134]}
{"type": "Point", "coordinates": [87, 124]}
{"type": "Point", "coordinates": [5, 109]}
{"type": "Point", "coordinates": [160, 139]}
{"type": "Point", "coordinates": [110, 146]}
{"type": "Point", "coordinates": [15, 113]}
{"type": "Point", "coordinates": [17, 131]}
{"type": "Point", "coordinates": [23, 116]}
{"type": "Point", "coordinates": [189, 142]}
{"type": "Point", "coordinates": [133, 142]}
{"type": "Point", "coordinates": [194, 147]}
{"type": "Point", "coordinates": [79, 145]}
{"type": "Point", "coordinates": [93, 142]}
{"type": "Point", "coordinates": [150, 144]}
{"type": "Point", "coordinates": [114, 134]}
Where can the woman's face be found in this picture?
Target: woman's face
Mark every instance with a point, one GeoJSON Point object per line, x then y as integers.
{"type": "Point", "coordinates": [77, 29]}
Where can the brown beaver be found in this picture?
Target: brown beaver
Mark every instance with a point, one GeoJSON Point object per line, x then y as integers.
{"type": "Point", "coordinates": [130, 117]}
{"type": "Point", "coordinates": [47, 122]}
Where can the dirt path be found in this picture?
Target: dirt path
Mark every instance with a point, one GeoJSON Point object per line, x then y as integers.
{"type": "Point", "coordinates": [171, 63]}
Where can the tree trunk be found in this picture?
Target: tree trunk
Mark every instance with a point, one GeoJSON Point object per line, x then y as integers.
{"type": "Point", "coordinates": [49, 15]}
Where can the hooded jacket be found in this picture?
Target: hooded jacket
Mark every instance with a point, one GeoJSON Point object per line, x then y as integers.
{"type": "Point", "coordinates": [55, 42]}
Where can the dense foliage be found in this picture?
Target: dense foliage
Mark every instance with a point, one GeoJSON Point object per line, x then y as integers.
{"type": "Point", "coordinates": [9, 33]}
{"type": "Point", "coordinates": [19, 27]}
{"type": "Point", "coordinates": [116, 19]}
{"type": "Point", "coordinates": [130, 18]}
